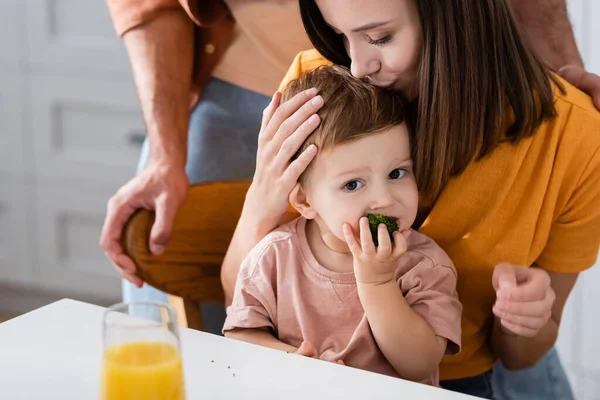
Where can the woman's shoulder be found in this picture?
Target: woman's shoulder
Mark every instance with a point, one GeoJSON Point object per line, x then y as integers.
{"type": "Point", "coordinates": [304, 61]}
{"type": "Point", "coordinates": [574, 97]}
{"type": "Point", "coordinates": [574, 131]}
{"type": "Point", "coordinates": [577, 119]}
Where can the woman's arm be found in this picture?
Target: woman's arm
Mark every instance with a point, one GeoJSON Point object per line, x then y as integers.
{"type": "Point", "coordinates": [517, 350]}
{"type": "Point", "coordinates": [284, 129]}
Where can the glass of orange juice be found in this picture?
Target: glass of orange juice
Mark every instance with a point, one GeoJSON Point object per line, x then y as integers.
{"type": "Point", "coordinates": [142, 358]}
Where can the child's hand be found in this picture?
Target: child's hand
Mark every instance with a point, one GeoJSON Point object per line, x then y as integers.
{"type": "Point", "coordinates": [307, 349]}
{"type": "Point", "coordinates": [375, 265]}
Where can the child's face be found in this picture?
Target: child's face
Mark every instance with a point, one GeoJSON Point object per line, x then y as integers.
{"type": "Point", "coordinates": [370, 175]}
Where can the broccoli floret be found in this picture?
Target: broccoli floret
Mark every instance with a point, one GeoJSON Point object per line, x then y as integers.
{"type": "Point", "coordinates": [376, 219]}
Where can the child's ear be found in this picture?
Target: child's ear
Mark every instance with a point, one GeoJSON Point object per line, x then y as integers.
{"type": "Point", "coordinates": [300, 202]}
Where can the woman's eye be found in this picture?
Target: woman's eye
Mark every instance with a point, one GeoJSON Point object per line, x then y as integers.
{"type": "Point", "coordinates": [397, 173]}
{"type": "Point", "coordinates": [381, 41]}
{"type": "Point", "coordinates": [353, 185]}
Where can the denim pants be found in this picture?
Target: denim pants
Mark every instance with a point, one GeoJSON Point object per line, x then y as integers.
{"type": "Point", "coordinates": [545, 381]}
{"type": "Point", "coordinates": [222, 143]}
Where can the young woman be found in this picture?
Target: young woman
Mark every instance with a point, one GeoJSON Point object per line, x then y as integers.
{"type": "Point", "coordinates": [506, 156]}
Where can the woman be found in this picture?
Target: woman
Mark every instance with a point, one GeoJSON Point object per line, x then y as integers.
{"type": "Point", "coordinates": [507, 157]}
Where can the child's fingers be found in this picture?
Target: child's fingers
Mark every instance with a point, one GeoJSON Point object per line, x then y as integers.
{"type": "Point", "coordinates": [366, 240]}
{"type": "Point", "coordinates": [384, 248]}
{"type": "Point", "coordinates": [307, 349]}
{"type": "Point", "coordinates": [353, 244]}
{"type": "Point", "coordinates": [399, 243]}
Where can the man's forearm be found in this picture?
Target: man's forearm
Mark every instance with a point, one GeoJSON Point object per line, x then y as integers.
{"type": "Point", "coordinates": [548, 29]}
{"type": "Point", "coordinates": [517, 352]}
{"type": "Point", "coordinates": [161, 56]}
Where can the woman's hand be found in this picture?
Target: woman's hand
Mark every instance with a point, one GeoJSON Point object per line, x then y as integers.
{"type": "Point", "coordinates": [284, 128]}
{"type": "Point", "coordinates": [375, 265]}
{"type": "Point", "coordinates": [524, 298]}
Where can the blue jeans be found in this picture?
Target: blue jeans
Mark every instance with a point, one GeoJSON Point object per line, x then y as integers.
{"type": "Point", "coordinates": [222, 144]}
{"type": "Point", "coordinates": [545, 381]}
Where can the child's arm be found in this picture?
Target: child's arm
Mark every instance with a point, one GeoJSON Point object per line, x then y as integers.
{"type": "Point", "coordinates": [411, 332]}
{"type": "Point", "coordinates": [403, 336]}
{"type": "Point", "coordinates": [261, 337]}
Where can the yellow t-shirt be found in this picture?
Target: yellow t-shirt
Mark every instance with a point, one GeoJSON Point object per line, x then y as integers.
{"type": "Point", "coordinates": [536, 202]}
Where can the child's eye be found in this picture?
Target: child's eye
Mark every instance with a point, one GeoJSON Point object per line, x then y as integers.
{"type": "Point", "coordinates": [353, 185]}
{"type": "Point", "coordinates": [397, 173]}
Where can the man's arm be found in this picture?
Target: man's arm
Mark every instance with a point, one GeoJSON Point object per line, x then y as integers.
{"type": "Point", "coordinates": [546, 25]}
{"type": "Point", "coordinates": [161, 55]}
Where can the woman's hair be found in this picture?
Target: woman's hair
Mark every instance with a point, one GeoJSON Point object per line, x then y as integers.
{"type": "Point", "coordinates": [478, 84]}
{"type": "Point", "coordinates": [352, 108]}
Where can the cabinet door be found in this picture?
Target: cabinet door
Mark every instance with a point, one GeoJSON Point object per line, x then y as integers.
{"type": "Point", "coordinates": [69, 224]}
{"type": "Point", "coordinates": [15, 266]}
{"type": "Point", "coordinates": [85, 129]}
{"type": "Point", "coordinates": [11, 42]}
{"type": "Point", "coordinates": [73, 34]}
{"type": "Point", "coordinates": [11, 114]}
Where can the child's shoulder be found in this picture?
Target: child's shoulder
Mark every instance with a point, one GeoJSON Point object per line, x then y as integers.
{"type": "Point", "coordinates": [424, 252]}
{"type": "Point", "coordinates": [282, 241]}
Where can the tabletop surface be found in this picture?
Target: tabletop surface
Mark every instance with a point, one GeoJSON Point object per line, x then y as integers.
{"type": "Point", "coordinates": [56, 351]}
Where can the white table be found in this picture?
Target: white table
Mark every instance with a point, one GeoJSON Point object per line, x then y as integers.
{"type": "Point", "coordinates": [55, 353]}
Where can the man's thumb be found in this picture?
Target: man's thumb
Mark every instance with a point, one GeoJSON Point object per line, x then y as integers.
{"type": "Point", "coordinates": [163, 225]}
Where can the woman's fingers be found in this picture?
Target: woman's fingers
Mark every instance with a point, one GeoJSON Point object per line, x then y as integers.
{"type": "Point", "coordinates": [290, 115]}
{"type": "Point", "coordinates": [298, 166]}
{"type": "Point", "coordinates": [268, 113]}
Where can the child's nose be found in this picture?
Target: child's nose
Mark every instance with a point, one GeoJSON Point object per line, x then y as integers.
{"type": "Point", "coordinates": [382, 198]}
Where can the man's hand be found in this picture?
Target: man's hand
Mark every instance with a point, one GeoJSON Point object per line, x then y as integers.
{"type": "Point", "coordinates": [524, 298]}
{"type": "Point", "coordinates": [160, 188]}
{"type": "Point", "coordinates": [375, 265]}
{"type": "Point", "coordinates": [583, 80]}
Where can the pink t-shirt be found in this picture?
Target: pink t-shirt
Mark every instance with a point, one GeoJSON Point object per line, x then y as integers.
{"type": "Point", "coordinates": [281, 286]}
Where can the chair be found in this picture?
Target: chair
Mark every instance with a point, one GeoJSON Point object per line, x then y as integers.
{"type": "Point", "coordinates": [189, 270]}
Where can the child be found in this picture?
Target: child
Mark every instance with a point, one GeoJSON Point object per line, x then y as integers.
{"type": "Point", "coordinates": [318, 286]}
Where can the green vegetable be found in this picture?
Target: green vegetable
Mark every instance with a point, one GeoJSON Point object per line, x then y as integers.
{"type": "Point", "coordinates": [376, 219]}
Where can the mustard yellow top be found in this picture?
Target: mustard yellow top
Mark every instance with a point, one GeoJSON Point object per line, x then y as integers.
{"type": "Point", "coordinates": [533, 203]}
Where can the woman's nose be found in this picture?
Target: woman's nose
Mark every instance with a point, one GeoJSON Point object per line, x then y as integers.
{"type": "Point", "coordinates": [362, 63]}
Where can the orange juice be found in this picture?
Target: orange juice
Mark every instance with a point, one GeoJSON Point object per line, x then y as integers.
{"type": "Point", "coordinates": [142, 370]}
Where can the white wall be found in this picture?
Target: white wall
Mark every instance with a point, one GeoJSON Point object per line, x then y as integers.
{"type": "Point", "coordinates": [579, 350]}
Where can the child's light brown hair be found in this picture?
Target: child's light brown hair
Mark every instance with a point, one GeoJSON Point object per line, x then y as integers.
{"type": "Point", "coordinates": [352, 108]}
